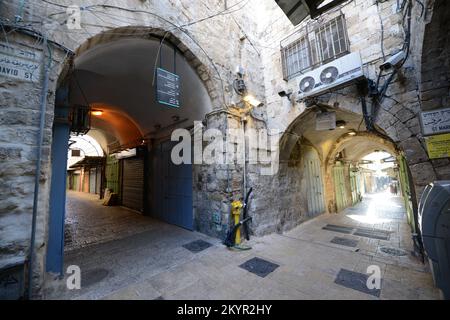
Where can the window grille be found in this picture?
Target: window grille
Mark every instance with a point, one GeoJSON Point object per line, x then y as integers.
{"type": "Point", "coordinates": [314, 45]}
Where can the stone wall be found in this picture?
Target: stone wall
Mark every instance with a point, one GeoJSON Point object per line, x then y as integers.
{"type": "Point", "coordinates": [214, 46]}
{"type": "Point", "coordinates": [374, 31]}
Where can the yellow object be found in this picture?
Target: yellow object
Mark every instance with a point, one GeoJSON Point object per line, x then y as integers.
{"type": "Point", "coordinates": [438, 146]}
{"type": "Point", "coordinates": [236, 207]}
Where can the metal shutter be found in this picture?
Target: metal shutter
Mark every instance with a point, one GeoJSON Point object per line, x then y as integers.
{"type": "Point", "coordinates": [133, 184]}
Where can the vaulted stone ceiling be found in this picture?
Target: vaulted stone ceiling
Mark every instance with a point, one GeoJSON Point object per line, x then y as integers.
{"type": "Point", "coordinates": [117, 78]}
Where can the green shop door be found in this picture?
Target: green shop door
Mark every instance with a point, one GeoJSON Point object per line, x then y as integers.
{"type": "Point", "coordinates": [340, 187]}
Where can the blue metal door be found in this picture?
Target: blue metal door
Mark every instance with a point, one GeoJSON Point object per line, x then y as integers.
{"type": "Point", "coordinates": [172, 188]}
{"type": "Point", "coordinates": [60, 144]}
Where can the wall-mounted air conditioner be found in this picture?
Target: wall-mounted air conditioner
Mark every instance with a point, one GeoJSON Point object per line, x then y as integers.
{"type": "Point", "coordinates": [339, 73]}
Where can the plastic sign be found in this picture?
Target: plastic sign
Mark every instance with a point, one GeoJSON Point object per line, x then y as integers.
{"type": "Point", "coordinates": [167, 88]}
{"type": "Point", "coordinates": [438, 146]}
{"type": "Point", "coordinates": [435, 122]}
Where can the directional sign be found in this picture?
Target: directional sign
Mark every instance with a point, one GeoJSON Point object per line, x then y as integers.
{"type": "Point", "coordinates": [436, 121]}
{"type": "Point", "coordinates": [167, 88]}
{"type": "Point", "coordinates": [16, 61]}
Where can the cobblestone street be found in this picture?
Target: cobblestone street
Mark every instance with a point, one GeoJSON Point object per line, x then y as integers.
{"type": "Point", "coordinates": [153, 264]}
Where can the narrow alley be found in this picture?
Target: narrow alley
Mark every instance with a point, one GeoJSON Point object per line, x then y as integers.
{"type": "Point", "coordinates": [154, 264]}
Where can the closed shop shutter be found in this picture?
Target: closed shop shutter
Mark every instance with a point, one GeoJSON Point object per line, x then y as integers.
{"type": "Point", "coordinates": [133, 184]}
{"type": "Point", "coordinates": [92, 180]}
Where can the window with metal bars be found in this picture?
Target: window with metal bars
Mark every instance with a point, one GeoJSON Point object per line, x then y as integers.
{"type": "Point", "coordinates": [313, 46]}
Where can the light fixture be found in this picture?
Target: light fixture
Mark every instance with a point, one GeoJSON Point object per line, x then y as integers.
{"type": "Point", "coordinates": [341, 124]}
{"type": "Point", "coordinates": [252, 101]}
{"type": "Point", "coordinates": [97, 113]}
{"type": "Point", "coordinates": [352, 133]}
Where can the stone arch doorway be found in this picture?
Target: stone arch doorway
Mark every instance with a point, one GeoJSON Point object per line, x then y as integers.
{"type": "Point", "coordinates": [341, 151]}
{"type": "Point", "coordinates": [113, 75]}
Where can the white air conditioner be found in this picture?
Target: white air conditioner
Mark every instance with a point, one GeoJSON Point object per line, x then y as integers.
{"type": "Point", "coordinates": [339, 73]}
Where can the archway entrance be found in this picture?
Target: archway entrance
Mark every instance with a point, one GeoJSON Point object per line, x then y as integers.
{"type": "Point", "coordinates": [113, 96]}
{"type": "Point", "coordinates": [360, 171]}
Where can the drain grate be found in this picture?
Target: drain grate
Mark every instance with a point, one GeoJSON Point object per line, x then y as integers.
{"type": "Point", "coordinates": [345, 242]}
{"type": "Point", "coordinates": [197, 246]}
{"type": "Point", "coordinates": [393, 252]}
{"type": "Point", "coordinates": [372, 233]}
{"type": "Point", "coordinates": [93, 276]}
{"type": "Point", "coordinates": [336, 228]}
{"type": "Point", "coordinates": [356, 281]}
{"type": "Point", "coordinates": [260, 267]}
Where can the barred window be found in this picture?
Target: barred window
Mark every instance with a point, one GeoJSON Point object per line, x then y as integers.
{"type": "Point", "coordinates": [313, 46]}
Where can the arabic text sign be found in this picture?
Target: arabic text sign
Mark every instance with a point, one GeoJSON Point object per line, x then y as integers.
{"type": "Point", "coordinates": [438, 146]}
{"type": "Point", "coordinates": [168, 88]}
{"type": "Point", "coordinates": [19, 63]}
{"type": "Point", "coordinates": [436, 121]}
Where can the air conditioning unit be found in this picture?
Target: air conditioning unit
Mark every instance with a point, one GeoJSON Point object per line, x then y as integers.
{"type": "Point", "coordinates": [339, 73]}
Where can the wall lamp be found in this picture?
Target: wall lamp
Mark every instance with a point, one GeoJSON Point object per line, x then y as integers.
{"type": "Point", "coordinates": [97, 113]}
{"type": "Point", "coordinates": [341, 124]}
{"type": "Point", "coordinates": [241, 89]}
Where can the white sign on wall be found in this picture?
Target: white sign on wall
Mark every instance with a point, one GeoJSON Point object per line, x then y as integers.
{"type": "Point", "coordinates": [435, 122]}
{"type": "Point", "coordinates": [16, 61]}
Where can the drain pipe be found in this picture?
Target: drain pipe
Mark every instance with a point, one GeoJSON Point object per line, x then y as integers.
{"type": "Point", "coordinates": [43, 108]}
{"type": "Point", "coordinates": [244, 124]}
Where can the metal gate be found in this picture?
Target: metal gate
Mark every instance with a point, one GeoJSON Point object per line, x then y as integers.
{"type": "Point", "coordinates": [314, 182]}
{"type": "Point", "coordinates": [92, 180]}
{"type": "Point", "coordinates": [355, 185]}
{"type": "Point", "coordinates": [133, 183]}
{"type": "Point", "coordinates": [340, 187]}
{"type": "Point", "coordinates": [172, 188]}
{"type": "Point", "coordinates": [112, 174]}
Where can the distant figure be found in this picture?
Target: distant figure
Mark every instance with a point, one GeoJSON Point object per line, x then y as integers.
{"type": "Point", "coordinates": [395, 189]}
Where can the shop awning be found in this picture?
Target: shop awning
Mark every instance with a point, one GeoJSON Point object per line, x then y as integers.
{"type": "Point", "coordinates": [88, 162]}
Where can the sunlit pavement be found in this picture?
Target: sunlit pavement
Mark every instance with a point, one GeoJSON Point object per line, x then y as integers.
{"type": "Point", "coordinates": [154, 265]}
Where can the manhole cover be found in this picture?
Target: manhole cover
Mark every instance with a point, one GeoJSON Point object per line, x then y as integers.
{"type": "Point", "coordinates": [93, 276]}
{"type": "Point", "coordinates": [345, 242]}
{"type": "Point", "coordinates": [356, 281]}
{"type": "Point", "coordinates": [197, 246]}
{"type": "Point", "coordinates": [393, 252]}
{"type": "Point", "coordinates": [335, 228]}
{"type": "Point", "coordinates": [372, 233]}
{"type": "Point", "coordinates": [260, 267]}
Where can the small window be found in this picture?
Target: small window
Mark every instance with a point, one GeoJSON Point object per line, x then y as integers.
{"type": "Point", "coordinates": [311, 47]}
{"type": "Point", "coordinates": [76, 153]}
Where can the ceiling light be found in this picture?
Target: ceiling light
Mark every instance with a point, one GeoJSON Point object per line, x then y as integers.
{"type": "Point", "coordinates": [97, 113]}
{"type": "Point", "coordinates": [341, 124]}
{"type": "Point", "coordinates": [352, 133]}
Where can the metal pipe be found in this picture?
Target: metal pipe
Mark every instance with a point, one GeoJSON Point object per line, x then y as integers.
{"type": "Point", "coordinates": [43, 108]}
{"type": "Point", "coordinates": [244, 191]}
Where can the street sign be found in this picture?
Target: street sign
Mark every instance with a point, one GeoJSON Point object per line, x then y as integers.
{"type": "Point", "coordinates": [435, 122]}
{"type": "Point", "coordinates": [17, 61]}
{"type": "Point", "coordinates": [438, 146]}
{"type": "Point", "coordinates": [167, 88]}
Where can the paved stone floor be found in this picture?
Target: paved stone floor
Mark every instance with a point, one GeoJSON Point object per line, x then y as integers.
{"type": "Point", "coordinates": [153, 264]}
{"type": "Point", "coordinates": [88, 222]}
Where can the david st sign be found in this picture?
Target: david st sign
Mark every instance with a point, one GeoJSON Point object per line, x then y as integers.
{"type": "Point", "coordinates": [16, 61]}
